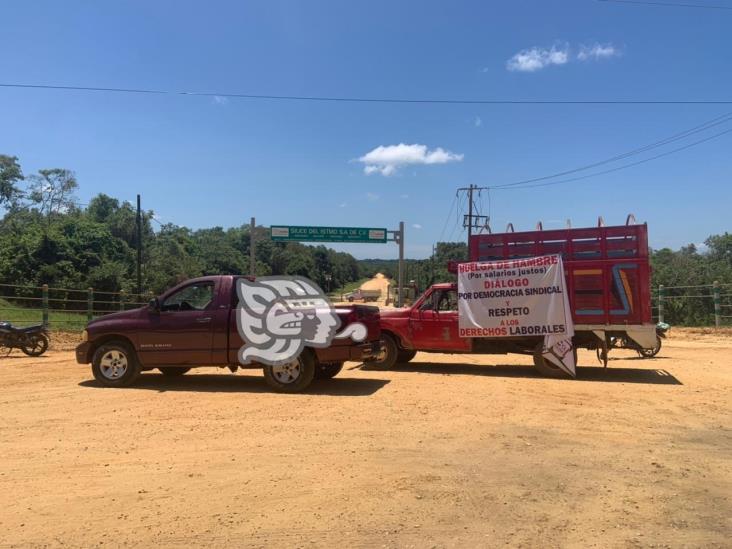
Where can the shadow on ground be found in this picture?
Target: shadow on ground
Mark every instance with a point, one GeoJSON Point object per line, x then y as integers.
{"type": "Point", "coordinates": [223, 383]}
{"type": "Point", "coordinates": [584, 373]}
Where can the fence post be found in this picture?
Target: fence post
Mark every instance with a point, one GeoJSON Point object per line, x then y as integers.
{"type": "Point", "coordinates": [44, 304]}
{"type": "Point", "coordinates": [89, 304]}
{"type": "Point", "coordinates": [660, 302]}
{"type": "Point", "coordinates": [717, 304]}
{"type": "Point", "coordinates": [122, 300]}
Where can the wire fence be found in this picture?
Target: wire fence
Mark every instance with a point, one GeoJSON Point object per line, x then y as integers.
{"type": "Point", "coordinates": [62, 308]}
{"type": "Point", "coordinates": [702, 304]}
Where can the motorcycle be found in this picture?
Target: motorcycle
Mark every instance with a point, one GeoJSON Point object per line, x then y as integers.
{"type": "Point", "coordinates": [32, 340]}
{"type": "Point", "coordinates": [627, 343]}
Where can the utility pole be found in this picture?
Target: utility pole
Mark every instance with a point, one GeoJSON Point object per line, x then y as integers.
{"type": "Point", "coordinates": [252, 256]}
{"type": "Point", "coordinates": [400, 301]}
{"type": "Point", "coordinates": [468, 219]}
{"type": "Point", "coordinates": [139, 247]}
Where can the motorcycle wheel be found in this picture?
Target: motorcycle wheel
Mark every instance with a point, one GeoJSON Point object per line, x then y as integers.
{"type": "Point", "coordinates": [35, 345]}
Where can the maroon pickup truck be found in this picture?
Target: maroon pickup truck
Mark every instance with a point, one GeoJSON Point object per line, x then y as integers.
{"type": "Point", "coordinates": [194, 324]}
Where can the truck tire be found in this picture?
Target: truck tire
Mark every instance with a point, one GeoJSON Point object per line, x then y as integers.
{"type": "Point", "coordinates": [404, 355]}
{"type": "Point", "coordinates": [115, 364]}
{"type": "Point", "coordinates": [328, 370]}
{"type": "Point", "coordinates": [388, 354]}
{"type": "Point", "coordinates": [294, 376]}
{"type": "Point", "coordinates": [173, 371]}
{"type": "Point", "coordinates": [650, 353]}
{"type": "Point", "coordinates": [548, 369]}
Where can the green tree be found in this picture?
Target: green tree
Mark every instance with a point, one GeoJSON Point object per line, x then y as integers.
{"type": "Point", "coordinates": [10, 176]}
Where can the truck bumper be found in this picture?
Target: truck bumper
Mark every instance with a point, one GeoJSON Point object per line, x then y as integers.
{"type": "Point", "coordinates": [82, 352]}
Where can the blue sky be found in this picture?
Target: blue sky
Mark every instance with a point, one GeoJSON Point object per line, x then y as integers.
{"type": "Point", "coordinates": [202, 161]}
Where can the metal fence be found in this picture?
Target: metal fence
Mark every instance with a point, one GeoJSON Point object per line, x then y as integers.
{"type": "Point", "coordinates": [62, 308]}
{"type": "Point", "coordinates": [712, 301]}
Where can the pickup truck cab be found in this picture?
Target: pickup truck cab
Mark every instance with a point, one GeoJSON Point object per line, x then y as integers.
{"type": "Point", "coordinates": [194, 324]}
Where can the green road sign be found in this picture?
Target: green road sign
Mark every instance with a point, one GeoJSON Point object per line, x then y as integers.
{"type": "Point", "coordinates": [290, 233]}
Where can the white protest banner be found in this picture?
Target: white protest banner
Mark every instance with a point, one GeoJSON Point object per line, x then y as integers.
{"type": "Point", "coordinates": [518, 297]}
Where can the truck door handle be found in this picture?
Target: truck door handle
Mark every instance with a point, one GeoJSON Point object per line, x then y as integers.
{"type": "Point", "coordinates": [203, 320]}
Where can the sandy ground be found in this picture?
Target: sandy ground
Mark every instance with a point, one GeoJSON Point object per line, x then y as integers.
{"type": "Point", "coordinates": [448, 451]}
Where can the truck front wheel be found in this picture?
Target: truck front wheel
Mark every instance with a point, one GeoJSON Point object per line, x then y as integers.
{"type": "Point", "coordinates": [115, 365]}
{"type": "Point", "coordinates": [292, 377]}
{"type": "Point", "coordinates": [387, 357]}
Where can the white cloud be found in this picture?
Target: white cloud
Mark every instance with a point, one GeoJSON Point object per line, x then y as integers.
{"type": "Point", "coordinates": [386, 160]}
{"type": "Point", "coordinates": [403, 196]}
{"type": "Point", "coordinates": [219, 100]}
{"type": "Point", "coordinates": [417, 226]}
{"type": "Point", "coordinates": [478, 122]}
{"type": "Point", "coordinates": [534, 59]}
{"type": "Point", "coordinates": [372, 197]}
{"type": "Point", "coordinates": [597, 51]}
{"type": "Point", "coordinates": [342, 205]}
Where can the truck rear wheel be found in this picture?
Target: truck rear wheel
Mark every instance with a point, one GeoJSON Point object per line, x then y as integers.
{"type": "Point", "coordinates": [115, 364]}
{"type": "Point", "coordinates": [650, 353]}
{"type": "Point", "coordinates": [328, 370]}
{"type": "Point", "coordinates": [173, 371]}
{"type": "Point", "coordinates": [547, 368]}
{"type": "Point", "coordinates": [387, 356]}
{"type": "Point", "coordinates": [292, 377]}
{"type": "Point", "coordinates": [405, 356]}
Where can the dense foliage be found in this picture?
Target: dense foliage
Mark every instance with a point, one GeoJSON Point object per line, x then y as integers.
{"type": "Point", "coordinates": [46, 237]}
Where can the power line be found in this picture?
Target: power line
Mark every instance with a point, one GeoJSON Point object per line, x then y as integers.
{"type": "Point", "coordinates": [619, 167]}
{"type": "Point", "coordinates": [447, 219]}
{"type": "Point", "coordinates": [669, 4]}
{"type": "Point", "coordinates": [676, 137]}
{"type": "Point", "coordinates": [345, 99]}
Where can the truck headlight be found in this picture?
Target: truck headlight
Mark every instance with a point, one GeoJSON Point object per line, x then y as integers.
{"type": "Point", "coordinates": [84, 336]}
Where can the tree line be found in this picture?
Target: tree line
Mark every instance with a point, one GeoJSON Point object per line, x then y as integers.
{"type": "Point", "coordinates": [47, 237]}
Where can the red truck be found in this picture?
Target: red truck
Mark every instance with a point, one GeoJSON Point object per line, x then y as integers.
{"type": "Point", "coordinates": [194, 324]}
{"type": "Point", "coordinates": [608, 282]}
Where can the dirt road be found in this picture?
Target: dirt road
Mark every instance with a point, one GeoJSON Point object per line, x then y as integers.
{"type": "Point", "coordinates": [443, 452]}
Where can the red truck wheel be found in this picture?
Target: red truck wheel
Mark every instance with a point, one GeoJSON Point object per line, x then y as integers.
{"type": "Point", "coordinates": [405, 356]}
{"type": "Point", "coordinates": [292, 377]}
{"type": "Point", "coordinates": [547, 368]}
{"type": "Point", "coordinates": [115, 365]}
{"type": "Point", "coordinates": [387, 356]}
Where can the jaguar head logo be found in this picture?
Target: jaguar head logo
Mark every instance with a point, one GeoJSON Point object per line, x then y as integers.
{"type": "Point", "coordinates": [278, 316]}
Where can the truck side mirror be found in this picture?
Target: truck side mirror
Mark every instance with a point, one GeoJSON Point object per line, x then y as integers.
{"type": "Point", "coordinates": [154, 305]}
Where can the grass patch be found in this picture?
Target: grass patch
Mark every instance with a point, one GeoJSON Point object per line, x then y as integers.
{"type": "Point", "coordinates": [27, 316]}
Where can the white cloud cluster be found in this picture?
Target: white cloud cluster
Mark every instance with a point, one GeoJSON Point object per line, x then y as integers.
{"type": "Point", "coordinates": [596, 52]}
{"type": "Point", "coordinates": [536, 58]}
{"type": "Point", "coordinates": [386, 160]}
